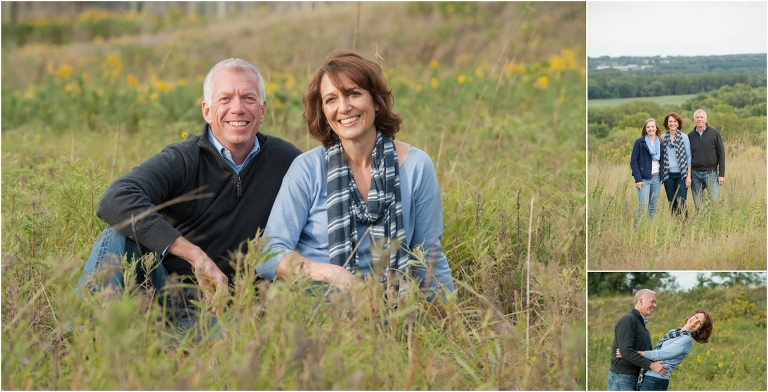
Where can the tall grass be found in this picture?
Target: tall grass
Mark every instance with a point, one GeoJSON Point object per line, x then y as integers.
{"type": "Point", "coordinates": [734, 359]}
{"type": "Point", "coordinates": [493, 92]}
{"type": "Point", "coordinates": [730, 236]}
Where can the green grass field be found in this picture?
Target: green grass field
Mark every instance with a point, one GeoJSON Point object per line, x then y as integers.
{"type": "Point", "coordinates": [664, 100]}
{"type": "Point", "coordinates": [493, 92]}
{"type": "Point", "coordinates": [734, 358]}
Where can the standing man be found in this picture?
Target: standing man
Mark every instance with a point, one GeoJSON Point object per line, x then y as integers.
{"type": "Point", "coordinates": [631, 336]}
{"type": "Point", "coordinates": [707, 159]}
{"type": "Point", "coordinates": [194, 206]}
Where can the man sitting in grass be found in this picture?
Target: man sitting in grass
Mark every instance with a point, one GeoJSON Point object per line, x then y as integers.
{"type": "Point", "coordinates": [196, 203]}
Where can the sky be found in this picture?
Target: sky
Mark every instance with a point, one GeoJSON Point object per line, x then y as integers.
{"type": "Point", "coordinates": [676, 28]}
{"type": "Point", "coordinates": [686, 279]}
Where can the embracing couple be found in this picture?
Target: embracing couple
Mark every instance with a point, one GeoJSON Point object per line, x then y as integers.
{"type": "Point", "coordinates": [194, 206]}
{"type": "Point", "coordinates": [679, 161]}
{"type": "Point", "coordinates": [635, 364]}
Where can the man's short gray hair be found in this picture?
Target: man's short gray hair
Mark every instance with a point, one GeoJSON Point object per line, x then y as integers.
{"type": "Point", "coordinates": [235, 65]}
{"type": "Point", "coordinates": [700, 110]}
{"type": "Point", "coordinates": [641, 293]}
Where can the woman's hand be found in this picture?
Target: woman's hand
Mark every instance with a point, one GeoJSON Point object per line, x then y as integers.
{"type": "Point", "coordinates": [336, 276]}
{"type": "Point", "coordinates": [639, 185]}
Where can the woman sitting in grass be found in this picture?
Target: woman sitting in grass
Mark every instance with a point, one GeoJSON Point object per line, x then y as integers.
{"type": "Point", "coordinates": [673, 348]}
{"type": "Point", "coordinates": [359, 190]}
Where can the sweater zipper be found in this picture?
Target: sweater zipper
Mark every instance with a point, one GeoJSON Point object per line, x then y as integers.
{"type": "Point", "coordinates": [239, 185]}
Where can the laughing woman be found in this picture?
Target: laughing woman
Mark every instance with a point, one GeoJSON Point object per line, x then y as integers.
{"type": "Point", "coordinates": [645, 162]}
{"type": "Point", "coordinates": [674, 347]}
{"type": "Point", "coordinates": [361, 187]}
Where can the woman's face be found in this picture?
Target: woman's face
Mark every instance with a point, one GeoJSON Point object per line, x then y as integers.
{"type": "Point", "coordinates": [650, 128]}
{"type": "Point", "coordinates": [672, 124]}
{"type": "Point", "coordinates": [695, 322]}
{"type": "Point", "coordinates": [351, 115]}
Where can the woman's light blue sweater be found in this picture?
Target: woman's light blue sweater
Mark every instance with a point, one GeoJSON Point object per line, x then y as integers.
{"type": "Point", "coordinates": [672, 352]}
{"type": "Point", "coordinates": [299, 219]}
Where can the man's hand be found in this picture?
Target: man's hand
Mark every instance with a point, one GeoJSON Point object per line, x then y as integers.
{"type": "Point", "coordinates": [659, 368]}
{"type": "Point", "coordinates": [688, 182]}
{"type": "Point", "coordinates": [212, 281]}
{"type": "Point", "coordinates": [721, 180]}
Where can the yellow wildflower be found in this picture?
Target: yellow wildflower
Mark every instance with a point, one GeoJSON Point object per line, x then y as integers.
{"type": "Point", "coordinates": [462, 79]}
{"type": "Point", "coordinates": [181, 82]}
{"type": "Point", "coordinates": [479, 72]}
{"type": "Point", "coordinates": [29, 94]}
{"type": "Point", "coordinates": [434, 83]}
{"type": "Point", "coordinates": [154, 97]}
{"type": "Point", "coordinates": [131, 79]}
{"type": "Point", "coordinates": [434, 64]}
{"type": "Point", "coordinates": [184, 135]}
{"type": "Point", "coordinates": [419, 88]}
{"type": "Point", "coordinates": [541, 83]}
{"type": "Point", "coordinates": [98, 39]}
{"type": "Point", "coordinates": [63, 72]}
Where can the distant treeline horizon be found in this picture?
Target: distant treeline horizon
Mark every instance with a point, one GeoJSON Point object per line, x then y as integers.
{"type": "Point", "coordinates": [654, 76]}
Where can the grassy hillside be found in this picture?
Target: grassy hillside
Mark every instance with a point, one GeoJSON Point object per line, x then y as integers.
{"type": "Point", "coordinates": [663, 100]}
{"type": "Point", "coordinates": [493, 92]}
{"type": "Point", "coordinates": [734, 358]}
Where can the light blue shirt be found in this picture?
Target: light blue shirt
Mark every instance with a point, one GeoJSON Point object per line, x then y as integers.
{"type": "Point", "coordinates": [227, 155]}
{"type": "Point", "coordinates": [674, 167]}
{"type": "Point", "coordinates": [672, 352]}
{"type": "Point", "coordinates": [299, 218]}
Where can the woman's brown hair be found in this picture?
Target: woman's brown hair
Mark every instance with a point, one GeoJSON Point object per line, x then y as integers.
{"type": "Point", "coordinates": [676, 117]}
{"type": "Point", "coordinates": [703, 334]}
{"type": "Point", "coordinates": [367, 75]}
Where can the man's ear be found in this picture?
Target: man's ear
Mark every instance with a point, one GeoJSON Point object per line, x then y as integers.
{"type": "Point", "coordinates": [207, 113]}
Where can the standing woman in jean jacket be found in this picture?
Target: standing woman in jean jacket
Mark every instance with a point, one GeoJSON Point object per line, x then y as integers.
{"type": "Point", "coordinates": [647, 155]}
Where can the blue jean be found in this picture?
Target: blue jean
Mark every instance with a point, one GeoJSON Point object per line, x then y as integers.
{"type": "Point", "coordinates": [621, 382]}
{"type": "Point", "coordinates": [701, 180]}
{"type": "Point", "coordinates": [647, 197]}
{"type": "Point", "coordinates": [676, 191]}
{"type": "Point", "coordinates": [104, 269]}
{"type": "Point", "coordinates": [654, 384]}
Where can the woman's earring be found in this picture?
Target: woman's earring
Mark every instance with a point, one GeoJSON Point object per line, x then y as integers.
{"type": "Point", "coordinates": [328, 128]}
{"type": "Point", "coordinates": [376, 113]}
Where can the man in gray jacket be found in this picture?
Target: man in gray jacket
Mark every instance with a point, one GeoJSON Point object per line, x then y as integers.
{"type": "Point", "coordinates": [707, 159]}
{"type": "Point", "coordinates": [631, 336]}
{"type": "Point", "coordinates": [194, 206]}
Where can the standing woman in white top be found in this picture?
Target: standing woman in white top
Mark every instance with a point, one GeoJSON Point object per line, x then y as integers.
{"type": "Point", "coordinates": [676, 175]}
{"type": "Point", "coordinates": [647, 155]}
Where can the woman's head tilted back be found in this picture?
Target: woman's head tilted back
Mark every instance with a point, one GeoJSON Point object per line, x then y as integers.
{"type": "Point", "coordinates": [367, 75]}
{"type": "Point", "coordinates": [701, 322]}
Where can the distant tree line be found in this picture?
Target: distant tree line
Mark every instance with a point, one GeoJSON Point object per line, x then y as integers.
{"type": "Point", "coordinates": [737, 63]}
{"type": "Point", "coordinates": [617, 84]}
{"type": "Point", "coordinates": [612, 283]}
{"type": "Point", "coordinates": [737, 110]}
{"type": "Point", "coordinates": [673, 75]}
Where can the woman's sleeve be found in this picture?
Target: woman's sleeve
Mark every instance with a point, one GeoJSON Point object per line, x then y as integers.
{"type": "Point", "coordinates": [633, 164]}
{"type": "Point", "coordinates": [428, 231]}
{"type": "Point", "coordinates": [687, 144]}
{"type": "Point", "coordinates": [288, 217]}
{"type": "Point", "coordinates": [673, 349]}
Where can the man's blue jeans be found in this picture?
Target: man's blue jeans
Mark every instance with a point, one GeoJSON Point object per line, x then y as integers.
{"type": "Point", "coordinates": [701, 180]}
{"type": "Point", "coordinates": [621, 382]}
{"type": "Point", "coordinates": [676, 191]}
{"type": "Point", "coordinates": [104, 269]}
{"type": "Point", "coordinates": [654, 384]}
{"type": "Point", "coordinates": [647, 196]}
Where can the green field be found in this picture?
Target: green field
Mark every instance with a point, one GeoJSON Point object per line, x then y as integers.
{"type": "Point", "coordinates": [493, 92]}
{"type": "Point", "coordinates": [664, 100]}
{"type": "Point", "coordinates": [734, 358]}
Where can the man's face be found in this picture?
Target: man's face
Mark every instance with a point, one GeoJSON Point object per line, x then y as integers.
{"type": "Point", "coordinates": [646, 304]}
{"type": "Point", "coordinates": [235, 111]}
{"type": "Point", "coordinates": [701, 120]}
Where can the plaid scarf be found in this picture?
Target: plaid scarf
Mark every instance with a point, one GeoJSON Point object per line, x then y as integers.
{"type": "Point", "coordinates": [673, 333]}
{"type": "Point", "coordinates": [679, 153]}
{"type": "Point", "coordinates": [384, 211]}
